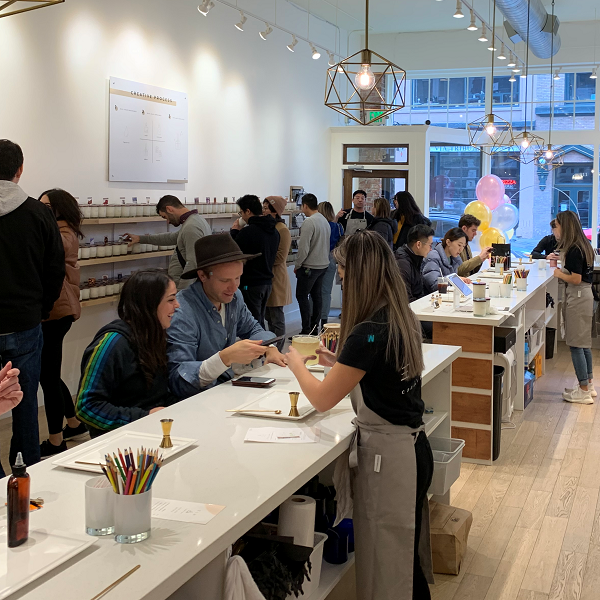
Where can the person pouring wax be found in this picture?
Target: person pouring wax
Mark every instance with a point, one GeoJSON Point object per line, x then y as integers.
{"type": "Point", "coordinates": [379, 362]}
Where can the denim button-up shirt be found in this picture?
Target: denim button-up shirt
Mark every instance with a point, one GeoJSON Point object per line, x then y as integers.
{"type": "Point", "coordinates": [197, 333]}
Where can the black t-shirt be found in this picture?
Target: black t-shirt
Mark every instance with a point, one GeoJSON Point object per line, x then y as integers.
{"type": "Point", "coordinates": [383, 388]}
{"type": "Point", "coordinates": [575, 262]}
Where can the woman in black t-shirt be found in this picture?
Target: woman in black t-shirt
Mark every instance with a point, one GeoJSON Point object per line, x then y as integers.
{"type": "Point", "coordinates": [379, 362]}
{"type": "Point", "coordinates": [578, 266]}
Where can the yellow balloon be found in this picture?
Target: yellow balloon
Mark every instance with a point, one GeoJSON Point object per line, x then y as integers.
{"type": "Point", "coordinates": [492, 236]}
{"type": "Point", "coordinates": [480, 211]}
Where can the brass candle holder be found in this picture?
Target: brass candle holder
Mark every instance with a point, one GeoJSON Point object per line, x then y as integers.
{"type": "Point", "coordinates": [294, 404]}
{"type": "Point", "coordinates": [166, 425]}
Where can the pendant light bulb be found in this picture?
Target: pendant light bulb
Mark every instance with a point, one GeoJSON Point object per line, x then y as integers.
{"type": "Point", "coordinates": [525, 141]}
{"type": "Point", "coordinates": [557, 76]}
{"type": "Point", "coordinates": [365, 79]}
{"type": "Point", "coordinates": [290, 46]}
{"type": "Point", "coordinates": [549, 154]}
{"type": "Point", "coordinates": [205, 7]}
{"type": "Point", "coordinates": [516, 69]}
{"type": "Point", "coordinates": [502, 55]}
{"type": "Point", "coordinates": [472, 25]}
{"type": "Point", "coordinates": [240, 26]}
{"type": "Point", "coordinates": [512, 79]}
{"type": "Point", "coordinates": [266, 32]}
{"type": "Point", "coordinates": [523, 73]}
{"type": "Point", "coordinates": [459, 13]}
{"type": "Point", "coordinates": [330, 59]}
{"type": "Point", "coordinates": [511, 62]}
{"type": "Point", "coordinates": [490, 129]}
{"type": "Point", "coordinates": [482, 37]}
{"type": "Point", "coordinates": [594, 74]}
{"type": "Point", "coordinates": [491, 47]}
{"type": "Point", "coordinates": [315, 53]}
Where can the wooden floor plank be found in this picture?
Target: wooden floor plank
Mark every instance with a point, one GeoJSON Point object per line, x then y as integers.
{"type": "Point", "coordinates": [532, 515]}
{"type": "Point", "coordinates": [563, 497]}
{"type": "Point", "coordinates": [581, 521]}
{"type": "Point", "coordinates": [445, 590]}
{"type": "Point", "coordinates": [568, 578]}
{"type": "Point", "coordinates": [487, 505]}
{"type": "Point", "coordinates": [547, 475]}
{"type": "Point", "coordinates": [591, 577]}
{"type": "Point", "coordinates": [573, 462]}
{"type": "Point", "coordinates": [473, 587]}
{"type": "Point", "coordinates": [473, 488]}
{"type": "Point", "coordinates": [531, 595]}
{"type": "Point", "coordinates": [520, 486]}
{"type": "Point", "coordinates": [590, 471]}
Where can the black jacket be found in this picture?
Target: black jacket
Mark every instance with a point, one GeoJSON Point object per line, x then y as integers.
{"type": "Point", "coordinates": [406, 227]}
{"type": "Point", "coordinates": [410, 264]}
{"type": "Point", "coordinates": [32, 260]}
{"type": "Point", "coordinates": [385, 227]}
{"type": "Point", "coordinates": [547, 245]}
{"type": "Point", "coordinates": [259, 236]}
{"type": "Point", "coordinates": [113, 390]}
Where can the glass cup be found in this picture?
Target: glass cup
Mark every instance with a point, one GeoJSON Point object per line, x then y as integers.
{"type": "Point", "coordinates": [479, 306]}
{"type": "Point", "coordinates": [99, 507]}
{"type": "Point", "coordinates": [494, 289]}
{"type": "Point", "coordinates": [521, 284]}
{"type": "Point", "coordinates": [506, 290]}
{"type": "Point", "coordinates": [442, 285]}
{"type": "Point", "coordinates": [307, 346]}
{"type": "Point", "coordinates": [133, 517]}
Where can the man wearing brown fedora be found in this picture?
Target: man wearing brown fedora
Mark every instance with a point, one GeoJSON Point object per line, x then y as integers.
{"type": "Point", "coordinates": [202, 350]}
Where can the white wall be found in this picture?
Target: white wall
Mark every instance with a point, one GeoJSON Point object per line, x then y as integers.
{"type": "Point", "coordinates": [257, 123]}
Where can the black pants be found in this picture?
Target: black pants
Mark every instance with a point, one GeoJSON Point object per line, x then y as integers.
{"type": "Point", "coordinates": [424, 458]}
{"type": "Point", "coordinates": [309, 287]}
{"type": "Point", "coordinates": [256, 297]}
{"type": "Point", "coordinates": [276, 320]}
{"type": "Point", "coordinates": [57, 398]}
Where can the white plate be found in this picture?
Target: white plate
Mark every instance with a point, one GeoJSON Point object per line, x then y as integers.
{"type": "Point", "coordinates": [107, 444]}
{"type": "Point", "coordinates": [43, 551]}
{"type": "Point", "coordinates": [277, 400]}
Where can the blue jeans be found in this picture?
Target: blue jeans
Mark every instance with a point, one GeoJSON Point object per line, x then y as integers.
{"type": "Point", "coordinates": [24, 349]}
{"type": "Point", "coordinates": [328, 280]}
{"type": "Point", "coordinates": [582, 361]}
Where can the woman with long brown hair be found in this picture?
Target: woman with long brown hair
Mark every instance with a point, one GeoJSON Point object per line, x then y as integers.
{"type": "Point", "coordinates": [383, 223]}
{"type": "Point", "coordinates": [124, 369]}
{"type": "Point", "coordinates": [58, 402]}
{"type": "Point", "coordinates": [576, 275]}
{"type": "Point", "coordinates": [379, 361]}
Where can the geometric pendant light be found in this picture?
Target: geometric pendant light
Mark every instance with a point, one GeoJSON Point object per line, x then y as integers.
{"type": "Point", "coordinates": [358, 87]}
{"type": "Point", "coordinates": [14, 7]}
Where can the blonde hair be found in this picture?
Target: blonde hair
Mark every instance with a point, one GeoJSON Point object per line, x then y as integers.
{"type": "Point", "coordinates": [381, 208]}
{"type": "Point", "coordinates": [372, 281]}
{"type": "Point", "coordinates": [571, 234]}
{"type": "Point", "coordinates": [326, 210]}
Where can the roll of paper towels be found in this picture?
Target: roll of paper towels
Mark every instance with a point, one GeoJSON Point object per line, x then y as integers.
{"type": "Point", "coordinates": [297, 520]}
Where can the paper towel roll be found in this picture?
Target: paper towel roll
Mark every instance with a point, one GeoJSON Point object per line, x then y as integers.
{"type": "Point", "coordinates": [297, 520]}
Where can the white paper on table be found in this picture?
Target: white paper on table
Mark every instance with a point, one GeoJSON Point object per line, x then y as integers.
{"type": "Point", "coordinates": [282, 435]}
{"type": "Point", "coordinates": [187, 512]}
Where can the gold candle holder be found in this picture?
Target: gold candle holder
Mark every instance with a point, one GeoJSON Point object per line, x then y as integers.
{"type": "Point", "coordinates": [294, 404]}
{"type": "Point", "coordinates": [166, 425]}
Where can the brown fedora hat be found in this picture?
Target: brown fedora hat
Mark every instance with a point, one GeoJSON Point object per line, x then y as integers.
{"type": "Point", "coordinates": [214, 250]}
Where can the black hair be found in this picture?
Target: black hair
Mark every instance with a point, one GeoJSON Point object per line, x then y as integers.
{"type": "Point", "coordinates": [168, 200]}
{"type": "Point", "coordinates": [138, 305]}
{"type": "Point", "coordinates": [407, 208]}
{"type": "Point", "coordinates": [456, 233]}
{"type": "Point", "coordinates": [311, 201]}
{"type": "Point", "coordinates": [419, 233]}
{"type": "Point", "coordinates": [359, 192]}
{"type": "Point", "coordinates": [251, 203]}
{"type": "Point", "coordinates": [11, 159]}
{"type": "Point", "coordinates": [65, 208]}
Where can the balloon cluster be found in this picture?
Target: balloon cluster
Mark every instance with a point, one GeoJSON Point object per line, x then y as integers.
{"type": "Point", "coordinates": [493, 208]}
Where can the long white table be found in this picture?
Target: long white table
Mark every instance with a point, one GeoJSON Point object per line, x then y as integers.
{"type": "Point", "coordinates": [250, 480]}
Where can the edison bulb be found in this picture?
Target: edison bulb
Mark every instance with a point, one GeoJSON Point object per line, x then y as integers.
{"type": "Point", "coordinates": [364, 79]}
{"type": "Point", "coordinates": [525, 143]}
{"type": "Point", "coordinates": [491, 129]}
{"type": "Point", "coordinates": [549, 154]}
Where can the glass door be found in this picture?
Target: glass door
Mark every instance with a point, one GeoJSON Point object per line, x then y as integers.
{"type": "Point", "coordinates": [376, 183]}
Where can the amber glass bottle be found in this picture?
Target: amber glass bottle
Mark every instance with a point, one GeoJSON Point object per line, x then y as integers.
{"type": "Point", "coordinates": [18, 504]}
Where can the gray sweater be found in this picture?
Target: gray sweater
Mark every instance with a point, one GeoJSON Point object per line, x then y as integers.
{"type": "Point", "coordinates": [313, 248]}
{"type": "Point", "coordinates": [193, 228]}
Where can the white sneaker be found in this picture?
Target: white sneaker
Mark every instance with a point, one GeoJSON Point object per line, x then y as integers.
{"type": "Point", "coordinates": [578, 396]}
{"type": "Point", "coordinates": [591, 390]}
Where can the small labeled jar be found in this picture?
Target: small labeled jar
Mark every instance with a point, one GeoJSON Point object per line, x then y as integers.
{"type": "Point", "coordinates": [148, 210]}
{"type": "Point", "coordinates": [479, 289]}
{"type": "Point", "coordinates": [86, 211]}
{"type": "Point", "coordinates": [102, 211]}
{"type": "Point", "coordinates": [139, 211]}
{"type": "Point", "coordinates": [109, 249]}
{"type": "Point", "coordinates": [101, 251]}
{"type": "Point", "coordinates": [143, 248]}
{"type": "Point", "coordinates": [118, 210]}
{"type": "Point", "coordinates": [95, 213]}
{"type": "Point", "coordinates": [110, 287]}
{"type": "Point", "coordinates": [125, 248]}
{"type": "Point", "coordinates": [93, 292]}
{"type": "Point", "coordinates": [102, 290]}
{"type": "Point", "coordinates": [110, 211]}
{"type": "Point", "coordinates": [479, 305]}
{"type": "Point", "coordinates": [154, 248]}
{"type": "Point", "coordinates": [116, 249]}
{"type": "Point", "coordinates": [125, 210]}
{"type": "Point", "coordinates": [79, 253]}
{"type": "Point", "coordinates": [85, 251]}
{"type": "Point", "coordinates": [93, 251]}
{"type": "Point", "coordinates": [85, 291]}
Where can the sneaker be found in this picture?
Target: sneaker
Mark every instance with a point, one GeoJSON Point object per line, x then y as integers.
{"type": "Point", "coordinates": [70, 433]}
{"type": "Point", "coordinates": [578, 396]}
{"type": "Point", "coordinates": [47, 449]}
{"type": "Point", "coordinates": [591, 390]}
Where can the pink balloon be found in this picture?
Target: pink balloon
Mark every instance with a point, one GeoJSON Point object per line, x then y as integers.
{"type": "Point", "coordinates": [506, 199]}
{"type": "Point", "coordinates": [490, 191]}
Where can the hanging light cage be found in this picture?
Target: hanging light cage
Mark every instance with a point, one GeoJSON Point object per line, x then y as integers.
{"type": "Point", "coordinates": [491, 134]}
{"type": "Point", "coordinates": [548, 164]}
{"type": "Point", "coordinates": [365, 106]}
{"type": "Point", "coordinates": [527, 145]}
{"type": "Point", "coordinates": [15, 7]}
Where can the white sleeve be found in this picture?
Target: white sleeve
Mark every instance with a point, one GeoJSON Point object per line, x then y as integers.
{"type": "Point", "coordinates": [210, 369]}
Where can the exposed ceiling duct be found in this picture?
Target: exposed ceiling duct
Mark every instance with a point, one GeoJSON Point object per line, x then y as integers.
{"type": "Point", "coordinates": [541, 25]}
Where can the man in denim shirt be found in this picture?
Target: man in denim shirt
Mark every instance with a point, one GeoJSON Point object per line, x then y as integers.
{"type": "Point", "coordinates": [201, 343]}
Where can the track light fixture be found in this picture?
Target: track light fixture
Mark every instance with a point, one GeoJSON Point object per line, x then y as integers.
{"type": "Point", "coordinates": [315, 53]}
{"type": "Point", "coordinates": [459, 13]}
{"type": "Point", "coordinates": [511, 62]}
{"type": "Point", "coordinates": [240, 26]}
{"type": "Point", "coordinates": [557, 75]}
{"type": "Point", "coordinates": [502, 55]}
{"type": "Point", "coordinates": [472, 25]}
{"type": "Point", "coordinates": [293, 43]}
{"type": "Point", "coordinates": [594, 74]}
{"type": "Point", "coordinates": [512, 78]}
{"type": "Point", "coordinates": [205, 7]}
{"type": "Point", "coordinates": [330, 59]}
{"type": "Point", "coordinates": [491, 47]}
{"type": "Point", "coordinates": [266, 32]}
{"type": "Point", "coordinates": [482, 37]}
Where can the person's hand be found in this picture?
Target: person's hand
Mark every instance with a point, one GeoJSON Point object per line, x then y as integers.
{"type": "Point", "coordinates": [10, 389]}
{"type": "Point", "coordinates": [153, 410]}
{"type": "Point", "coordinates": [236, 225]}
{"type": "Point", "coordinates": [553, 256]}
{"type": "Point", "coordinates": [275, 357]}
{"type": "Point", "coordinates": [467, 280]}
{"type": "Point", "coordinates": [485, 253]}
{"type": "Point", "coordinates": [132, 239]}
{"type": "Point", "coordinates": [326, 357]}
{"type": "Point", "coordinates": [242, 352]}
{"type": "Point", "coordinates": [295, 360]}
{"type": "Point", "coordinates": [557, 273]}
{"type": "Point", "coordinates": [340, 214]}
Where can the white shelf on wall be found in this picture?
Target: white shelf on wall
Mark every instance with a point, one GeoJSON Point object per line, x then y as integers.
{"type": "Point", "coordinates": [88, 262]}
{"type": "Point", "coordinates": [96, 301]}
{"type": "Point", "coordinates": [115, 220]}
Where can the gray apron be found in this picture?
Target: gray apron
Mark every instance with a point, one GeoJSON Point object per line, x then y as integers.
{"type": "Point", "coordinates": [577, 313]}
{"type": "Point", "coordinates": [353, 225]}
{"type": "Point", "coordinates": [381, 487]}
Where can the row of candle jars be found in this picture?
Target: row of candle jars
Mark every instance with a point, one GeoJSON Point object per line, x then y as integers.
{"type": "Point", "coordinates": [100, 288]}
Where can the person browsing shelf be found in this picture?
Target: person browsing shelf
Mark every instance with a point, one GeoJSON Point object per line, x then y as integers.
{"type": "Point", "coordinates": [471, 264]}
{"type": "Point", "coordinates": [444, 258]}
{"type": "Point", "coordinates": [201, 343]}
{"type": "Point", "coordinates": [410, 260]}
{"type": "Point", "coordinates": [379, 362]}
{"type": "Point", "coordinates": [547, 245]}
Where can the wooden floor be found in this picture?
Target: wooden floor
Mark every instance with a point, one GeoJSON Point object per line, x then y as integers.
{"type": "Point", "coordinates": [536, 519]}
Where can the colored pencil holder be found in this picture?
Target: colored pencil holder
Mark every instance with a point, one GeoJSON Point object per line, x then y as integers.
{"type": "Point", "coordinates": [133, 517]}
{"type": "Point", "coordinates": [522, 284]}
{"type": "Point", "coordinates": [99, 507]}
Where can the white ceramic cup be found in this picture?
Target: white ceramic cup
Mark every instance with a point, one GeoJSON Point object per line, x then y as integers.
{"type": "Point", "coordinates": [118, 210]}
{"type": "Point", "coordinates": [86, 211]}
{"type": "Point", "coordinates": [94, 212]}
{"type": "Point", "coordinates": [522, 284]}
{"type": "Point", "coordinates": [110, 211]}
{"type": "Point", "coordinates": [125, 210]}
{"type": "Point", "coordinates": [506, 290]}
{"type": "Point", "coordinates": [494, 289]}
{"type": "Point", "coordinates": [102, 211]}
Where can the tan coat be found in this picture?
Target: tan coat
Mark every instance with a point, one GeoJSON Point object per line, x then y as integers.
{"type": "Point", "coordinates": [470, 264]}
{"type": "Point", "coordinates": [281, 294]}
{"type": "Point", "coordinates": [68, 302]}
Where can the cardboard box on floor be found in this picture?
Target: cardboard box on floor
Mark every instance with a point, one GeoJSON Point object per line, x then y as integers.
{"type": "Point", "coordinates": [450, 528]}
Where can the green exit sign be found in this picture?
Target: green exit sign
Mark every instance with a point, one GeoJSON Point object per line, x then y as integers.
{"type": "Point", "coordinates": [374, 114]}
